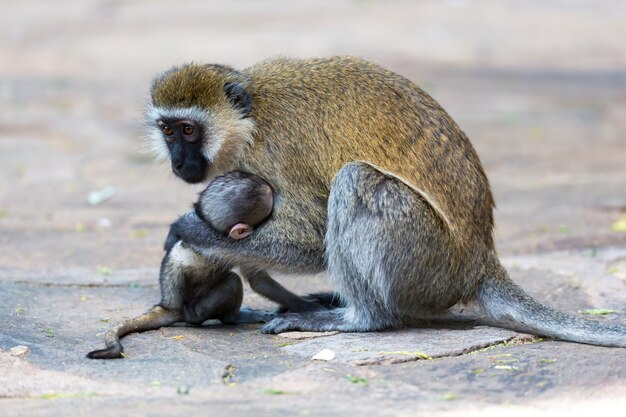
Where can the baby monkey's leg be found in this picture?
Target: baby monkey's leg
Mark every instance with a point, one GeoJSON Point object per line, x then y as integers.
{"type": "Point", "coordinates": [222, 301]}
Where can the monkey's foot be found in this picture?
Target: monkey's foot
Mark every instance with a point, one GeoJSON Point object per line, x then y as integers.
{"type": "Point", "coordinates": [323, 321]}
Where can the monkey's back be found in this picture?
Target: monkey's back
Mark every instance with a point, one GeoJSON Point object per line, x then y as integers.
{"type": "Point", "coordinates": [313, 116]}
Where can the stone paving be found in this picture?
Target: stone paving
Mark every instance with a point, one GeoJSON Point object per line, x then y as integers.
{"type": "Point", "coordinates": [539, 88]}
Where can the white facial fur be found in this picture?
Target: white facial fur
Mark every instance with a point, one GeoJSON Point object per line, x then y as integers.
{"type": "Point", "coordinates": [225, 133]}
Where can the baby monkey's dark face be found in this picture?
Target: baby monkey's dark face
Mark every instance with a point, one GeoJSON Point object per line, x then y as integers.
{"type": "Point", "coordinates": [236, 202]}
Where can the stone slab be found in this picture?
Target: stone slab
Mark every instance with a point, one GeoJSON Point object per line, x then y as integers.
{"type": "Point", "coordinates": [401, 345]}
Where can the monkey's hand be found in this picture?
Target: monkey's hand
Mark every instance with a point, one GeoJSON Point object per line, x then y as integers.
{"type": "Point", "coordinates": [171, 239]}
{"type": "Point", "coordinates": [191, 229]}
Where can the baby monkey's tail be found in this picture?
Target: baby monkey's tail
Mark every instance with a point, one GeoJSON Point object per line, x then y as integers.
{"type": "Point", "coordinates": [155, 318]}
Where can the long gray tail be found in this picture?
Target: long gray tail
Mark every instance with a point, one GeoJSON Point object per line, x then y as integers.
{"type": "Point", "coordinates": [155, 318]}
{"type": "Point", "coordinates": [510, 306]}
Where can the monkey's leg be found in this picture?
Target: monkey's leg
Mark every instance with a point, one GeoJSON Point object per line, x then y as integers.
{"type": "Point", "coordinates": [155, 318]}
{"type": "Point", "coordinates": [262, 283]}
{"type": "Point", "coordinates": [220, 299]}
{"type": "Point", "coordinates": [321, 300]}
{"type": "Point", "coordinates": [203, 289]}
{"type": "Point", "coordinates": [384, 246]}
{"type": "Point", "coordinates": [175, 265]}
{"type": "Point", "coordinates": [325, 299]}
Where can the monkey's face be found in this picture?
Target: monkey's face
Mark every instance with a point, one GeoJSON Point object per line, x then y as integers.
{"type": "Point", "coordinates": [198, 118]}
{"type": "Point", "coordinates": [184, 140]}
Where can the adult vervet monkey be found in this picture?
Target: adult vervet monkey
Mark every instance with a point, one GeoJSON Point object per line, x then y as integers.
{"type": "Point", "coordinates": [374, 183]}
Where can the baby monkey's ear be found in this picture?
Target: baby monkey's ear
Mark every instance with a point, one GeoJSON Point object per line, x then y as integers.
{"type": "Point", "coordinates": [239, 231]}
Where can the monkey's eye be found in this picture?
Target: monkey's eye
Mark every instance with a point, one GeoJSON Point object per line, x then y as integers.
{"type": "Point", "coordinates": [167, 130]}
{"type": "Point", "coordinates": [188, 130]}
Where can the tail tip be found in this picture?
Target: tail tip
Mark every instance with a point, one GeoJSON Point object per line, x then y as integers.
{"type": "Point", "coordinates": [108, 353]}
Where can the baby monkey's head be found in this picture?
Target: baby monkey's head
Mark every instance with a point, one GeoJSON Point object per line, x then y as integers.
{"type": "Point", "coordinates": [236, 202]}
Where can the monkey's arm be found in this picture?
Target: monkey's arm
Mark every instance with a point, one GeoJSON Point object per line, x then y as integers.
{"type": "Point", "coordinates": [271, 246]}
{"type": "Point", "coordinates": [171, 239]}
{"type": "Point", "coordinates": [262, 283]}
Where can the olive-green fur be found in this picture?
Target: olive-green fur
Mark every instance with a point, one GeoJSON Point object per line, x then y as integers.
{"type": "Point", "coordinates": [309, 120]}
{"type": "Point", "coordinates": [354, 110]}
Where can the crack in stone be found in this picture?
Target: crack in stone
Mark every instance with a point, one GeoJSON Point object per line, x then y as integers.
{"type": "Point", "coordinates": [78, 285]}
{"type": "Point", "coordinates": [511, 341]}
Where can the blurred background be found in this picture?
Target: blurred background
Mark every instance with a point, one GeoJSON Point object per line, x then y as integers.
{"type": "Point", "coordinates": [539, 87]}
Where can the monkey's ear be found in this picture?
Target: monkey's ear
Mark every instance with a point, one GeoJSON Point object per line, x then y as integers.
{"type": "Point", "coordinates": [238, 97]}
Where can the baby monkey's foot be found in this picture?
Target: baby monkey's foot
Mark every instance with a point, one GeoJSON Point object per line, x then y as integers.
{"type": "Point", "coordinates": [249, 315]}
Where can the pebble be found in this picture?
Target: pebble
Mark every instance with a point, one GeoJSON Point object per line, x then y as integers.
{"type": "Point", "coordinates": [324, 355]}
{"type": "Point", "coordinates": [19, 350]}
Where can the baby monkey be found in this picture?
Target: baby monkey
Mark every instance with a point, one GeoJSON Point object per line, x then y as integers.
{"type": "Point", "coordinates": [235, 203]}
{"type": "Point", "coordinates": [193, 292]}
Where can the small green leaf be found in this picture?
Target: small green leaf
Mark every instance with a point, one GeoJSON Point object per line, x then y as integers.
{"type": "Point", "coordinates": [228, 376]}
{"type": "Point", "coordinates": [273, 391]}
{"type": "Point", "coordinates": [103, 270]}
{"type": "Point", "coordinates": [503, 355]}
{"type": "Point", "coordinates": [406, 352]}
{"type": "Point", "coordinates": [506, 367]}
{"type": "Point", "coordinates": [356, 379]}
{"type": "Point", "coordinates": [598, 311]}
{"type": "Point", "coordinates": [449, 396]}
{"type": "Point", "coordinates": [54, 396]}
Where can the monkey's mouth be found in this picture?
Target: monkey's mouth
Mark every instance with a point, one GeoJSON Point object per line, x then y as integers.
{"type": "Point", "coordinates": [192, 174]}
